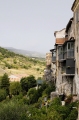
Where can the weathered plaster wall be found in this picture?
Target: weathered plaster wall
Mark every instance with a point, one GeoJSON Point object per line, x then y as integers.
{"type": "Point", "coordinates": [76, 34]}
{"type": "Point", "coordinates": [60, 34]}
{"type": "Point", "coordinates": [48, 58]}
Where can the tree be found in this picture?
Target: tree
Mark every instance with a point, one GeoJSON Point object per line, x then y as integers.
{"type": "Point", "coordinates": [24, 84]}
{"type": "Point", "coordinates": [28, 82]}
{"type": "Point", "coordinates": [32, 94]}
{"type": "Point", "coordinates": [5, 83]}
{"type": "Point", "coordinates": [2, 94]}
{"type": "Point", "coordinates": [31, 81]}
{"type": "Point", "coordinates": [15, 88]}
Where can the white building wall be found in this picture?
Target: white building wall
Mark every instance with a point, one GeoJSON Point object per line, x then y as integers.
{"type": "Point", "coordinates": [60, 34]}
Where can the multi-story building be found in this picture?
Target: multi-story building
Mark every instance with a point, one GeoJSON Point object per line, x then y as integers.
{"type": "Point", "coordinates": [65, 59]}
{"type": "Point", "coordinates": [75, 9]}
{"type": "Point", "coordinates": [66, 55]}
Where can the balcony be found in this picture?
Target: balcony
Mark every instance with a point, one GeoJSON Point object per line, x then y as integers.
{"type": "Point", "coordinates": [68, 67]}
{"type": "Point", "coordinates": [53, 55]}
{"type": "Point", "coordinates": [68, 54]}
{"type": "Point", "coordinates": [66, 51]}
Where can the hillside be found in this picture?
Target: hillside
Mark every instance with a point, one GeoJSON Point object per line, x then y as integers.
{"type": "Point", "coordinates": [26, 52]}
{"type": "Point", "coordinates": [12, 63]}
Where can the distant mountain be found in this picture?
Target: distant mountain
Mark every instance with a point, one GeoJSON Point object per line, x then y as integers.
{"type": "Point", "coordinates": [26, 52]}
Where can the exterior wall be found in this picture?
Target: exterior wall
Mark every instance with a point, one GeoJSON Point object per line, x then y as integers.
{"type": "Point", "coordinates": [58, 74]}
{"type": "Point", "coordinates": [53, 67]}
{"type": "Point", "coordinates": [71, 31]}
{"type": "Point", "coordinates": [48, 58]}
{"type": "Point", "coordinates": [17, 77]}
{"type": "Point", "coordinates": [60, 34]}
{"type": "Point", "coordinates": [76, 34]}
{"type": "Point", "coordinates": [50, 69]}
{"type": "Point", "coordinates": [67, 85]}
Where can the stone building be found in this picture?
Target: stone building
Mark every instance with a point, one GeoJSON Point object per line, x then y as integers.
{"type": "Point", "coordinates": [75, 9]}
{"type": "Point", "coordinates": [48, 58]}
{"type": "Point", "coordinates": [65, 59]}
{"type": "Point", "coordinates": [48, 72]}
{"type": "Point", "coordinates": [66, 55]}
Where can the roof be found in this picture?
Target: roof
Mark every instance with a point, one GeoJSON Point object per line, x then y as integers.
{"type": "Point", "coordinates": [69, 24]}
{"type": "Point", "coordinates": [52, 50]}
{"type": "Point", "coordinates": [39, 81]}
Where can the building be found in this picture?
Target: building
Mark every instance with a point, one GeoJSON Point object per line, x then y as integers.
{"type": "Point", "coordinates": [17, 77]}
{"type": "Point", "coordinates": [48, 59]}
{"type": "Point", "coordinates": [66, 55]}
{"type": "Point", "coordinates": [48, 76]}
{"type": "Point", "coordinates": [75, 9]}
{"type": "Point", "coordinates": [65, 59]}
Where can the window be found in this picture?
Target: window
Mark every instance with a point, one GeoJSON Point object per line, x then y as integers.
{"type": "Point", "coordinates": [72, 46]}
{"type": "Point", "coordinates": [60, 51]}
{"type": "Point", "coordinates": [68, 46]}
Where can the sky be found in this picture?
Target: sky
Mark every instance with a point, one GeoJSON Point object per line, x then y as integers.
{"type": "Point", "coordinates": [30, 24]}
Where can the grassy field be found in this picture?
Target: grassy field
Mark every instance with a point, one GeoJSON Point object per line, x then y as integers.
{"type": "Point", "coordinates": [12, 63]}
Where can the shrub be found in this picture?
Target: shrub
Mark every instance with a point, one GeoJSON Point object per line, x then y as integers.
{"type": "Point", "coordinates": [13, 111]}
{"type": "Point", "coordinates": [38, 69]}
{"type": "Point", "coordinates": [2, 94]}
{"type": "Point", "coordinates": [73, 115]}
{"type": "Point", "coordinates": [15, 88]}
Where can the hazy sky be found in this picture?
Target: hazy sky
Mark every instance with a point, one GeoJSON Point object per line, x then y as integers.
{"type": "Point", "coordinates": [30, 24]}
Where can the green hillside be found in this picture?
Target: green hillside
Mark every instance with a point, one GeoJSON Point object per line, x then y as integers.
{"type": "Point", "coordinates": [12, 63]}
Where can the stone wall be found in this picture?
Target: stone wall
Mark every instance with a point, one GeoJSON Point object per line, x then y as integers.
{"type": "Point", "coordinates": [48, 58]}
{"type": "Point", "coordinates": [76, 35]}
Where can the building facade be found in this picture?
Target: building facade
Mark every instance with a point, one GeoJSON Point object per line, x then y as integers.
{"type": "Point", "coordinates": [66, 55]}
{"type": "Point", "coordinates": [75, 9]}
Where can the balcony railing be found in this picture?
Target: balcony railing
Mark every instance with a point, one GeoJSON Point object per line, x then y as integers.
{"type": "Point", "coordinates": [68, 67]}
{"type": "Point", "coordinates": [68, 70]}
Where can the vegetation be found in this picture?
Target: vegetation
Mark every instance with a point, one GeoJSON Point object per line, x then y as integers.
{"type": "Point", "coordinates": [34, 104]}
{"type": "Point", "coordinates": [28, 82]}
{"type": "Point", "coordinates": [12, 63]}
{"type": "Point", "coordinates": [5, 83]}
{"type": "Point", "coordinates": [24, 100]}
{"type": "Point", "coordinates": [15, 88]}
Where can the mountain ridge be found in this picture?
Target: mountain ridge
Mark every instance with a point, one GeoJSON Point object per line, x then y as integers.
{"type": "Point", "coordinates": [26, 52]}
